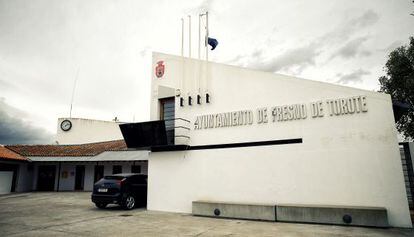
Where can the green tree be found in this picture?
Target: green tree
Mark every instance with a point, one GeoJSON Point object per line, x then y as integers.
{"type": "Point", "coordinates": [399, 83]}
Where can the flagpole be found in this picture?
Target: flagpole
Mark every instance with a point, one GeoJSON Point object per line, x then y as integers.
{"type": "Point", "coordinates": [182, 37]}
{"type": "Point", "coordinates": [199, 35]}
{"type": "Point", "coordinates": [73, 92]}
{"type": "Point", "coordinates": [189, 36]}
{"type": "Point", "coordinates": [206, 40]}
{"type": "Point", "coordinates": [182, 82]}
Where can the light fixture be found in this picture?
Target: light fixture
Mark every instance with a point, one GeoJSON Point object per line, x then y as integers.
{"type": "Point", "coordinates": [199, 99]}
{"type": "Point", "coordinates": [181, 101]}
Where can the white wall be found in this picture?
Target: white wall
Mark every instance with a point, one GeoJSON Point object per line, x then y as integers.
{"type": "Point", "coordinates": [352, 159]}
{"type": "Point", "coordinates": [89, 176]}
{"type": "Point", "coordinates": [6, 178]}
{"type": "Point", "coordinates": [68, 183]}
{"type": "Point", "coordinates": [88, 131]}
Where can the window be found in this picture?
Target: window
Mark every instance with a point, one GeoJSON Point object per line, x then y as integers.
{"type": "Point", "coordinates": [99, 173]}
{"type": "Point", "coordinates": [136, 169]}
{"type": "Point", "coordinates": [116, 169]}
{"type": "Point", "coordinates": [167, 113]}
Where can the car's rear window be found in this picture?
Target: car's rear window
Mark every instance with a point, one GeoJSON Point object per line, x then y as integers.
{"type": "Point", "coordinates": [113, 177]}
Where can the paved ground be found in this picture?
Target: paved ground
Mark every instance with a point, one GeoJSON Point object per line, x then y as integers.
{"type": "Point", "coordinates": [72, 214]}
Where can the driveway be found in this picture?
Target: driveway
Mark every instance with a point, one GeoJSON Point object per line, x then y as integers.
{"type": "Point", "coordinates": [72, 214]}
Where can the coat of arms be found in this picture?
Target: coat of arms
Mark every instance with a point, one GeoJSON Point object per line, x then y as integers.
{"type": "Point", "coordinates": [159, 69]}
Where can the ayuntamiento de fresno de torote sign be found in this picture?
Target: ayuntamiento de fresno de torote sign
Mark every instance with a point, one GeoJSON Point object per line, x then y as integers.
{"type": "Point", "coordinates": [318, 109]}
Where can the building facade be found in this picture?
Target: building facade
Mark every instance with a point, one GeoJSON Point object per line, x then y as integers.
{"type": "Point", "coordinates": [228, 134]}
{"type": "Point", "coordinates": [247, 136]}
{"type": "Point", "coordinates": [70, 167]}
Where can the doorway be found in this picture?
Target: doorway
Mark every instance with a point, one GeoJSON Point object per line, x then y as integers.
{"type": "Point", "coordinates": [79, 177]}
{"type": "Point", "coordinates": [99, 173]}
{"type": "Point", "coordinates": [13, 168]}
{"type": "Point", "coordinates": [167, 113]}
{"type": "Point", "coordinates": [46, 178]}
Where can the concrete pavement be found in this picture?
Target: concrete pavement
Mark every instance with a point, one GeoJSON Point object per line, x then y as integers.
{"type": "Point", "coordinates": [72, 214]}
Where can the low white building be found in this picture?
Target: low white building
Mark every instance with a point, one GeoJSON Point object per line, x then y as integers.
{"type": "Point", "coordinates": [77, 167]}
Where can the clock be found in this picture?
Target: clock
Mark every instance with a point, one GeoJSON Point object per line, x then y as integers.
{"type": "Point", "coordinates": [66, 125]}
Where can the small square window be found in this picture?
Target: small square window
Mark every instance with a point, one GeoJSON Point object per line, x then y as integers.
{"type": "Point", "coordinates": [117, 169]}
{"type": "Point", "coordinates": [136, 169]}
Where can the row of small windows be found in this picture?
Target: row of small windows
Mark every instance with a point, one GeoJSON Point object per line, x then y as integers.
{"type": "Point", "coordinates": [116, 169]}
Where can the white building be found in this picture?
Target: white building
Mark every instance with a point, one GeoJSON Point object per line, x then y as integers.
{"type": "Point", "coordinates": [232, 135]}
{"type": "Point", "coordinates": [80, 130]}
{"type": "Point", "coordinates": [75, 167]}
{"type": "Point", "coordinates": [268, 138]}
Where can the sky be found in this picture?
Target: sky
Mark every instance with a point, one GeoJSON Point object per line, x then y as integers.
{"type": "Point", "coordinates": [105, 46]}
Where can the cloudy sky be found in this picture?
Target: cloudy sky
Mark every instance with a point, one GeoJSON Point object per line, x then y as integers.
{"type": "Point", "coordinates": [107, 44]}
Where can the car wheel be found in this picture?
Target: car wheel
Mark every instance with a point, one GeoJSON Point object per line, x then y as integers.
{"type": "Point", "coordinates": [100, 205]}
{"type": "Point", "coordinates": [129, 202]}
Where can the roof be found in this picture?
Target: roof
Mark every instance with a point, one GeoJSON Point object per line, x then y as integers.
{"type": "Point", "coordinates": [10, 155]}
{"type": "Point", "coordinates": [128, 155]}
{"type": "Point", "coordinates": [89, 149]}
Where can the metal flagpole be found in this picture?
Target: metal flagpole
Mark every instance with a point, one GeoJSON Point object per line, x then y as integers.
{"type": "Point", "coordinates": [182, 37]}
{"type": "Point", "coordinates": [206, 40]}
{"type": "Point", "coordinates": [189, 36]}
{"type": "Point", "coordinates": [73, 92]}
{"type": "Point", "coordinates": [199, 35]}
{"type": "Point", "coordinates": [206, 45]}
{"type": "Point", "coordinates": [182, 56]}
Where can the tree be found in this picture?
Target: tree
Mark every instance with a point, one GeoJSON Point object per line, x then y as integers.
{"type": "Point", "coordinates": [399, 83]}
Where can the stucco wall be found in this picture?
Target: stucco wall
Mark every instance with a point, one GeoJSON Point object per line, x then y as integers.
{"type": "Point", "coordinates": [88, 131]}
{"type": "Point", "coordinates": [6, 178]}
{"type": "Point", "coordinates": [350, 159]}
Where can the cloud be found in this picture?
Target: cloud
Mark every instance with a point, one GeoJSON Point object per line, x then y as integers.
{"type": "Point", "coordinates": [344, 31]}
{"type": "Point", "coordinates": [15, 130]}
{"type": "Point", "coordinates": [368, 18]}
{"type": "Point", "coordinates": [352, 77]}
{"type": "Point", "coordinates": [4, 85]}
{"type": "Point", "coordinates": [295, 60]}
{"type": "Point", "coordinates": [203, 6]}
{"type": "Point", "coordinates": [352, 49]}
{"type": "Point", "coordinates": [394, 45]}
{"type": "Point", "coordinates": [206, 5]}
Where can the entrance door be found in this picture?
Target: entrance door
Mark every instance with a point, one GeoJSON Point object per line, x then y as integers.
{"type": "Point", "coordinates": [79, 177]}
{"type": "Point", "coordinates": [46, 178]}
{"type": "Point", "coordinates": [99, 173]}
{"type": "Point", "coordinates": [12, 168]}
{"type": "Point", "coordinates": [167, 113]}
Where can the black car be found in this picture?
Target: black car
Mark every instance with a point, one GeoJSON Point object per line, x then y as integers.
{"type": "Point", "coordinates": [127, 190]}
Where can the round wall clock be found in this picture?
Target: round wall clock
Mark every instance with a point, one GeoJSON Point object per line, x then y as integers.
{"type": "Point", "coordinates": [66, 125]}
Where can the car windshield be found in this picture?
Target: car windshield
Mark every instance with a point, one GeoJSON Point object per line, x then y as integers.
{"type": "Point", "coordinates": [114, 177]}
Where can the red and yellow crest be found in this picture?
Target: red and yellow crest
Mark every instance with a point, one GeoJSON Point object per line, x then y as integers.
{"type": "Point", "coordinates": [159, 69]}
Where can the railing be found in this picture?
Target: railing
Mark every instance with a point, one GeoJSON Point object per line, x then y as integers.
{"type": "Point", "coordinates": [178, 131]}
